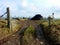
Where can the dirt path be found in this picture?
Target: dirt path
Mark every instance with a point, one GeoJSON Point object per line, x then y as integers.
{"type": "Point", "coordinates": [16, 39]}
{"type": "Point", "coordinates": [40, 34]}
{"type": "Point", "coordinates": [13, 39]}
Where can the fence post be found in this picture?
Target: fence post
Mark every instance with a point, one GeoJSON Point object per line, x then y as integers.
{"type": "Point", "coordinates": [8, 18]}
{"type": "Point", "coordinates": [49, 19]}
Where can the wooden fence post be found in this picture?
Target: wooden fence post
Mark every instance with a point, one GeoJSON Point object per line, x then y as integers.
{"type": "Point", "coordinates": [8, 18]}
{"type": "Point", "coordinates": [49, 19]}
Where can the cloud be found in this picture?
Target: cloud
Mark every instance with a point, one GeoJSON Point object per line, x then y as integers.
{"type": "Point", "coordinates": [30, 7]}
{"type": "Point", "coordinates": [24, 3]}
{"type": "Point", "coordinates": [12, 6]}
{"type": "Point", "coordinates": [53, 3]}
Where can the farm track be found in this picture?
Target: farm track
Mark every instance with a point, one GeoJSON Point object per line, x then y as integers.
{"type": "Point", "coordinates": [13, 35]}
{"type": "Point", "coordinates": [14, 38]}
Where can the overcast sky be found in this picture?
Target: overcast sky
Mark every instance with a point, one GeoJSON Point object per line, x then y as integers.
{"type": "Point", "coordinates": [28, 8]}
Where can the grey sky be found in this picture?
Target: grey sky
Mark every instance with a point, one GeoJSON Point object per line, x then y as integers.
{"type": "Point", "coordinates": [28, 8]}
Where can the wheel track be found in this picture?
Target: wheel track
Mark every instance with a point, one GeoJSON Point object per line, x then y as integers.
{"type": "Point", "coordinates": [6, 38]}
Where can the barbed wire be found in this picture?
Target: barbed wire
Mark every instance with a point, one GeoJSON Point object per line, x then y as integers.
{"type": "Point", "coordinates": [3, 14]}
{"type": "Point", "coordinates": [3, 11]}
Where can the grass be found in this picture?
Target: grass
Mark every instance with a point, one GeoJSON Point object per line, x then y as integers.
{"type": "Point", "coordinates": [5, 31]}
{"type": "Point", "coordinates": [28, 34]}
{"type": "Point", "coordinates": [57, 22]}
{"type": "Point", "coordinates": [52, 34]}
{"type": "Point", "coordinates": [14, 25]}
{"type": "Point", "coordinates": [23, 19]}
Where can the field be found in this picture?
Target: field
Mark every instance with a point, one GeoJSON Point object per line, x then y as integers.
{"type": "Point", "coordinates": [49, 34]}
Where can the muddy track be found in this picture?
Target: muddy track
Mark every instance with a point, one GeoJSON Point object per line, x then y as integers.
{"type": "Point", "coordinates": [39, 32]}
{"type": "Point", "coordinates": [5, 39]}
{"type": "Point", "coordinates": [18, 35]}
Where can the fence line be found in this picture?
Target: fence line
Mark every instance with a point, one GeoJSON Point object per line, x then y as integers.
{"type": "Point", "coordinates": [8, 17]}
